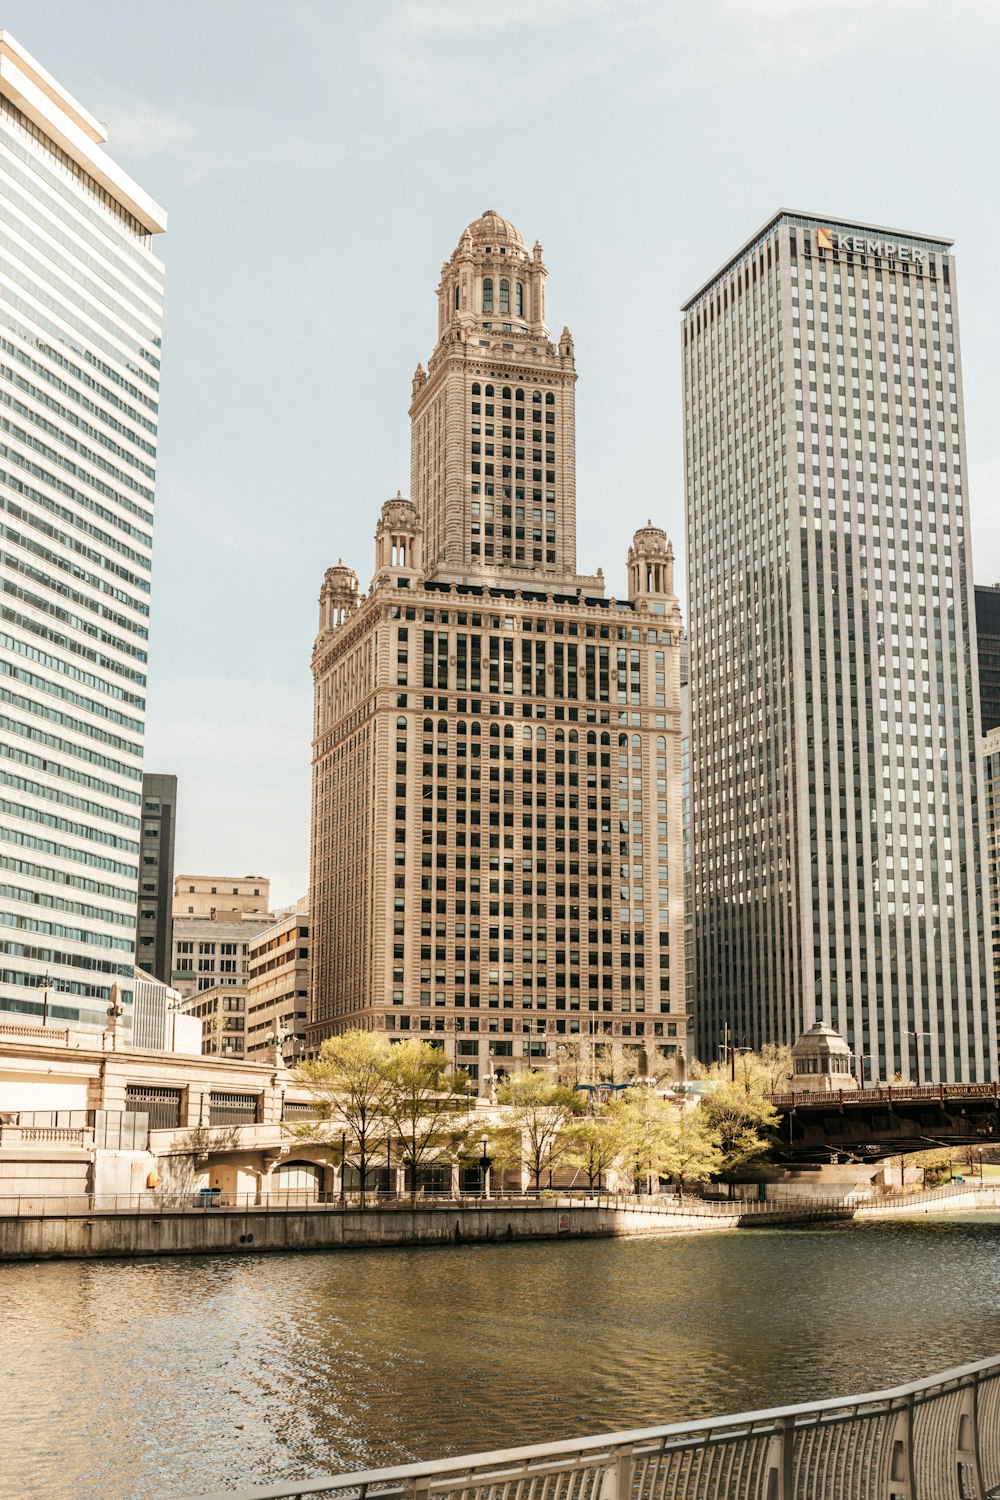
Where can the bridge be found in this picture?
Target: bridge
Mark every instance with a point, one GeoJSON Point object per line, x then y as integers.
{"type": "Point", "coordinates": [936, 1439]}
{"type": "Point", "coordinates": [892, 1120]}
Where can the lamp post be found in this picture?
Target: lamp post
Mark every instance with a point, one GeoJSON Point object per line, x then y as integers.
{"type": "Point", "coordinates": [861, 1058]}
{"type": "Point", "coordinates": [343, 1168]}
{"type": "Point", "coordinates": [45, 983]}
{"type": "Point", "coordinates": [484, 1165]}
{"type": "Point", "coordinates": [916, 1035]}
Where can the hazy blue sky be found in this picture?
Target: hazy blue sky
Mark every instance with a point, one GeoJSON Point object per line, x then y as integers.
{"type": "Point", "coordinates": [319, 160]}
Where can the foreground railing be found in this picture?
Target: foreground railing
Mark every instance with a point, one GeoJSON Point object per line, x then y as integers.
{"type": "Point", "coordinates": [937, 1439]}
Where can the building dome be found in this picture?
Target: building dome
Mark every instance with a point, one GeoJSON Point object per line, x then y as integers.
{"type": "Point", "coordinates": [491, 229]}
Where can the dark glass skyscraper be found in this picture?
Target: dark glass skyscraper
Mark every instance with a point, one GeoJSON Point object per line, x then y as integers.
{"type": "Point", "coordinates": [988, 640]}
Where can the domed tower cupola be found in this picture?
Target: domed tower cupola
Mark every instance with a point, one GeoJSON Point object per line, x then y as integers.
{"type": "Point", "coordinates": [650, 564]}
{"type": "Point", "coordinates": [338, 597]}
{"type": "Point", "coordinates": [491, 278]}
{"type": "Point", "coordinates": [398, 541]}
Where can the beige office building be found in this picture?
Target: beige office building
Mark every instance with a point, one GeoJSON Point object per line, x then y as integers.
{"type": "Point", "coordinates": [222, 1011]}
{"type": "Point", "coordinates": [496, 837]}
{"type": "Point", "coordinates": [278, 986]}
{"type": "Point", "coordinates": [206, 895]}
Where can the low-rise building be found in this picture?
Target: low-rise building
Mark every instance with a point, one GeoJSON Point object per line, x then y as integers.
{"type": "Point", "coordinates": [278, 986]}
{"type": "Point", "coordinates": [222, 1011]}
{"type": "Point", "coordinates": [204, 895]}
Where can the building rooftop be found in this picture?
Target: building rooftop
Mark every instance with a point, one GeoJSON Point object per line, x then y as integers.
{"type": "Point", "coordinates": [933, 243]}
{"type": "Point", "coordinates": [71, 127]}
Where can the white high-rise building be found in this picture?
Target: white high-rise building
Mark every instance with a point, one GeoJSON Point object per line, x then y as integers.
{"type": "Point", "coordinates": [80, 318]}
{"type": "Point", "coordinates": [836, 801]}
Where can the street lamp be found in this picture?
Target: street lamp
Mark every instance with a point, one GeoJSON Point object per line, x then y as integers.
{"type": "Point", "coordinates": [484, 1164]}
{"type": "Point", "coordinates": [861, 1058]}
{"type": "Point", "coordinates": [45, 983]}
{"type": "Point", "coordinates": [916, 1035]}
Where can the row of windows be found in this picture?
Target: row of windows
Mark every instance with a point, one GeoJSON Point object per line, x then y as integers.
{"type": "Point", "coordinates": [72, 543]}
{"type": "Point", "coordinates": [504, 290]}
{"type": "Point", "coordinates": [505, 394]}
{"type": "Point", "coordinates": [78, 882]}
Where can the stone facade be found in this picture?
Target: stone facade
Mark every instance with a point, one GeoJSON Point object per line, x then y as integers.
{"type": "Point", "coordinates": [278, 987]}
{"type": "Point", "coordinates": [496, 836]}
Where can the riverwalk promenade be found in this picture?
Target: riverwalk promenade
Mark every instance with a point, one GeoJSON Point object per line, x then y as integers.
{"type": "Point", "coordinates": [81, 1227]}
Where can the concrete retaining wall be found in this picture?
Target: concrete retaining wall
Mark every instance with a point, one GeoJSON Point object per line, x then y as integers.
{"type": "Point", "coordinates": [315, 1229]}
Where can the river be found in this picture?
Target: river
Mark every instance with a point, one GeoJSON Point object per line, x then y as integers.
{"type": "Point", "coordinates": [170, 1377]}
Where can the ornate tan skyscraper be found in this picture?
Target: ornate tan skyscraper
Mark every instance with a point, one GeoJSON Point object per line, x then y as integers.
{"type": "Point", "coordinates": [496, 839]}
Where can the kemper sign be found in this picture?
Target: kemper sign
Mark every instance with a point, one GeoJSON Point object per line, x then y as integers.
{"type": "Point", "coordinates": [860, 244]}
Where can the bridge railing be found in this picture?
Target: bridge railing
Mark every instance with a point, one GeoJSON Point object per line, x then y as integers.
{"type": "Point", "coordinates": [936, 1439]}
{"type": "Point", "coordinates": [932, 1093]}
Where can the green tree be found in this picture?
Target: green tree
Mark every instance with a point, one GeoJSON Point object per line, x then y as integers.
{"type": "Point", "coordinates": [351, 1096]}
{"type": "Point", "coordinates": [744, 1121]}
{"type": "Point", "coordinates": [643, 1119]}
{"type": "Point", "coordinates": [427, 1105]}
{"type": "Point", "coordinates": [534, 1111]}
{"type": "Point", "coordinates": [692, 1152]}
{"type": "Point", "coordinates": [595, 1144]}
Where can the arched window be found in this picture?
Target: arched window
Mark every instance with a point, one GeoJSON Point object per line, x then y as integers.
{"type": "Point", "coordinates": [428, 726]}
{"type": "Point", "coordinates": [488, 294]}
{"type": "Point", "coordinates": [519, 394]}
{"type": "Point", "coordinates": [540, 734]}
{"type": "Point", "coordinates": [506, 393]}
{"type": "Point", "coordinates": [476, 390]}
{"type": "Point", "coordinates": [458, 297]}
{"type": "Point", "coordinates": [536, 398]}
{"type": "Point", "coordinates": [442, 726]}
{"type": "Point", "coordinates": [550, 399]}
{"type": "Point", "coordinates": [526, 732]}
{"type": "Point", "coordinates": [519, 299]}
{"type": "Point", "coordinates": [488, 392]}
{"type": "Point", "coordinates": [400, 722]}
{"type": "Point", "coordinates": [505, 296]}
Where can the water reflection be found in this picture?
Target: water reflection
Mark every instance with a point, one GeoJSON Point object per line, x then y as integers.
{"type": "Point", "coordinates": [170, 1377]}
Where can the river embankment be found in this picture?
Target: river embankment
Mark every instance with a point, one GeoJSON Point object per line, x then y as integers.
{"type": "Point", "coordinates": [260, 1228]}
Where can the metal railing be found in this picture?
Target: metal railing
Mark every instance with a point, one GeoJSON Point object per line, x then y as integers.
{"type": "Point", "coordinates": [951, 1189]}
{"type": "Point", "coordinates": [212, 1200]}
{"type": "Point", "coordinates": [936, 1439]}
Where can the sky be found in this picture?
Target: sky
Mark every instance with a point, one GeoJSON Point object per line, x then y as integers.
{"type": "Point", "coordinates": [319, 160]}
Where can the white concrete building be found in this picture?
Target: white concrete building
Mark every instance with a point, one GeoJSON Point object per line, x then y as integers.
{"type": "Point", "coordinates": [80, 320]}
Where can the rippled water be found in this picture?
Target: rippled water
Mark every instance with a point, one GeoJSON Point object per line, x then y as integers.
{"type": "Point", "coordinates": [172, 1377]}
